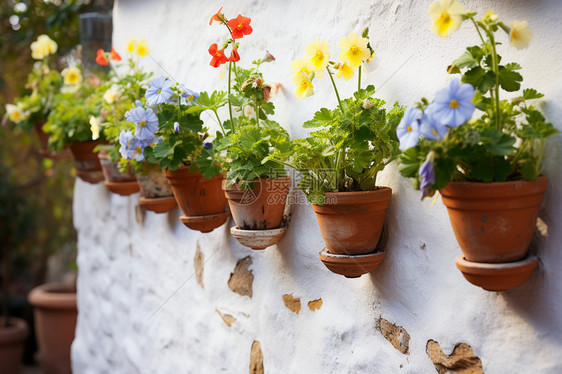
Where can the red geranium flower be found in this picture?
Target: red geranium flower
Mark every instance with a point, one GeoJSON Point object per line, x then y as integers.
{"type": "Point", "coordinates": [216, 16]}
{"type": "Point", "coordinates": [100, 58]}
{"type": "Point", "coordinates": [218, 55]}
{"type": "Point", "coordinates": [234, 56]}
{"type": "Point", "coordinates": [114, 55]}
{"type": "Point", "coordinates": [240, 26]}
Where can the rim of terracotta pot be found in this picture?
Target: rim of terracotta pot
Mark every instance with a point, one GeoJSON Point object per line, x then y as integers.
{"type": "Point", "coordinates": [15, 333]}
{"type": "Point", "coordinates": [236, 186]}
{"type": "Point", "coordinates": [381, 193]}
{"type": "Point", "coordinates": [494, 190]}
{"type": "Point", "coordinates": [258, 239]}
{"type": "Point", "coordinates": [158, 204]}
{"type": "Point", "coordinates": [53, 296]}
{"type": "Point", "coordinates": [351, 266]}
{"type": "Point", "coordinates": [123, 188]}
{"type": "Point", "coordinates": [206, 223]}
{"type": "Point", "coordinates": [183, 173]}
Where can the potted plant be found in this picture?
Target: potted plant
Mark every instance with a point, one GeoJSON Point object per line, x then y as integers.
{"type": "Point", "coordinates": [17, 224]}
{"type": "Point", "coordinates": [256, 187]}
{"type": "Point", "coordinates": [192, 166]}
{"type": "Point", "coordinates": [487, 169]}
{"type": "Point", "coordinates": [340, 161]}
{"type": "Point", "coordinates": [30, 110]}
{"type": "Point", "coordinates": [68, 123]}
{"type": "Point", "coordinates": [122, 89]}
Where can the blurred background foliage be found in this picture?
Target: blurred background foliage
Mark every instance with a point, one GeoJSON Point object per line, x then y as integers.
{"type": "Point", "coordinates": [46, 185]}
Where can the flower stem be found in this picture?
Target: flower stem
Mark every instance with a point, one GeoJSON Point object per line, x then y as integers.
{"type": "Point", "coordinates": [220, 123]}
{"type": "Point", "coordinates": [359, 79]}
{"type": "Point", "coordinates": [495, 69]}
{"type": "Point", "coordinates": [230, 105]}
{"type": "Point", "coordinates": [335, 88]}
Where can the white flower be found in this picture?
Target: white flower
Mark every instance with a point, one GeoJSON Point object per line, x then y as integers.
{"type": "Point", "coordinates": [249, 111]}
{"type": "Point", "coordinates": [112, 95]}
{"type": "Point", "coordinates": [43, 47]}
{"type": "Point", "coordinates": [72, 76]}
{"type": "Point", "coordinates": [95, 127]}
{"type": "Point", "coordinates": [15, 113]}
{"type": "Point", "coordinates": [520, 35]}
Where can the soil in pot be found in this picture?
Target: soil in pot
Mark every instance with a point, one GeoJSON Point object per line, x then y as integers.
{"type": "Point", "coordinates": [12, 340]}
{"type": "Point", "coordinates": [260, 208]}
{"type": "Point", "coordinates": [115, 181]}
{"type": "Point", "coordinates": [55, 314]}
{"type": "Point", "coordinates": [86, 162]}
{"type": "Point", "coordinates": [195, 194]}
{"type": "Point", "coordinates": [494, 222]}
{"type": "Point", "coordinates": [351, 222]}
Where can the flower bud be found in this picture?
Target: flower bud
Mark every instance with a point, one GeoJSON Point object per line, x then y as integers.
{"type": "Point", "coordinates": [367, 105]}
{"type": "Point", "coordinates": [268, 57]}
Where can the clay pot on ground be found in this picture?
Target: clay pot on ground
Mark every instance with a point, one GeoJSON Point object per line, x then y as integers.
{"type": "Point", "coordinates": [157, 195]}
{"type": "Point", "coordinates": [258, 212]}
{"type": "Point", "coordinates": [12, 341]}
{"type": "Point", "coordinates": [351, 225]}
{"type": "Point", "coordinates": [55, 315]}
{"type": "Point", "coordinates": [494, 222]}
{"type": "Point", "coordinates": [201, 199]}
{"type": "Point", "coordinates": [115, 181]}
{"type": "Point", "coordinates": [86, 162]}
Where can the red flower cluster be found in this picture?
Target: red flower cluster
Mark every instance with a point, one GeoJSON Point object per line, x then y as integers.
{"type": "Point", "coordinates": [238, 27]}
{"type": "Point", "coordinates": [102, 60]}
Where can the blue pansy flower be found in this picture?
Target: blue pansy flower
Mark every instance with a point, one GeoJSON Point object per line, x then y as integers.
{"type": "Point", "coordinates": [453, 104]}
{"type": "Point", "coordinates": [160, 91]}
{"type": "Point", "coordinates": [131, 147]}
{"type": "Point", "coordinates": [146, 121]}
{"type": "Point", "coordinates": [431, 128]}
{"type": "Point", "coordinates": [427, 175]}
{"type": "Point", "coordinates": [176, 127]}
{"type": "Point", "coordinates": [208, 145]}
{"type": "Point", "coordinates": [189, 95]}
{"type": "Point", "coordinates": [408, 130]}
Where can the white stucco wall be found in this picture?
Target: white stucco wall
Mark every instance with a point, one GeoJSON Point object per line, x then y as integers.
{"type": "Point", "coordinates": [141, 309]}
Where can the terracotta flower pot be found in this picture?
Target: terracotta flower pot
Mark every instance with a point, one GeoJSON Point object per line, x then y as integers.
{"type": "Point", "coordinates": [115, 181]}
{"type": "Point", "coordinates": [157, 195]}
{"type": "Point", "coordinates": [195, 194]}
{"type": "Point", "coordinates": [55, 314]}
{"type": "Point", "coordinates": [12, 339]}
{"type": "Point", "coordinates": [44, 143]}
{"type": "Point", "coordinates": [351, 222]}
{"type": "Point", "coordinates": [494, 222]}
{"type": "Point", "coordinates": [86, 162]}
{"type": "Point", "coordinates": [260, 208]}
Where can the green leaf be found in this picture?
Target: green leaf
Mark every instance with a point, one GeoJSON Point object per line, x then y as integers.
{"type": "Point", "coordinates": [531, 93]}
{"type": "Point", "coordinates": [474, 76]}
{"type": "Point", "coordinates": [509, 80]}
{"type": "Point", "coordinates": [321, 118]}
{"type": "Point", "coordinates": [162, 150]}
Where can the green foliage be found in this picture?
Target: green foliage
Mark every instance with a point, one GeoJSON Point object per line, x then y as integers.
{"type": "Point", "coordinates": [350, 147]}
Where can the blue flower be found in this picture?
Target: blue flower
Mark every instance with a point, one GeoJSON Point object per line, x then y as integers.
{"type": "Point", "coordinates": [190, 95]}
{"type": "Point", "coordinates": [146, 121]}
{"type": "Point", "coordinates": [427, 174]}
{"type": "Point", "coordinates": [208, 145]}
{"type": "Point", "coordinates": [431, 128]}
{"type": "Point", "coordinates": [159, 92]}
{"type": "Point", "coordinates": [131, 147]}
{"type": "Point", "coordinates": [176, 127]}
{"type": "Point", "coordinates": [408, 130]}
{"type": "Point", "coordinates": [453, 105]}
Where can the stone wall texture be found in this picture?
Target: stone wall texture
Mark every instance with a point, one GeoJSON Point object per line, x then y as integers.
{"type": "Point", "coordinates": [156, 297]}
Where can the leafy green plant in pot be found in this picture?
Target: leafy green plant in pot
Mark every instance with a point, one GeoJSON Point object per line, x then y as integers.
{"type": "Point", "coordinates": [192, 165]}
{"type": "Point", "coordinates": [68, 123]}
{"type": "Point", "coordinates": [127, 83]}
{"type": "Point", "coordinates": [256, 186]}
{"type": "Point", "coordinates": [340, 161]}
{"type": "Point", "coordinates": [17, 224]}
{"type": "Point", "coordinates": [487, 169]}
{"type": "Point", "coordinates": [30, 110]}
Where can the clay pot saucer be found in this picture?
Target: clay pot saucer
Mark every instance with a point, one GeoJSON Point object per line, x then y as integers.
{"type": "Point", "coordinates": [258, 239]}
{"type": "Point", "coordinates": [497, 276]}
{"type": "Point", "coordinates": [205, 223]}
{"type": "Point", "coordinates": [158, 204]}
{"type": "Point", "coordinates": [123, 188]}
{"type": "Point", "coordinates": [351, 266]}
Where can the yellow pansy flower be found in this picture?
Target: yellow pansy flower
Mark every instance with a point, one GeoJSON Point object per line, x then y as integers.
{"type": "Point", "coordinates": [72, 76]}
{"type": "Point", "coordinates": [95, 127]}
{"type": "Point", "coordinates": [520, 35]}
{"type": "Point", "coordinates": [303, 85]}
{"type": "Point", "coordinates": [446, 16]}
{"type": "Point", "coordinates": [354, 50]}
{"type": "Point", "coordinates": [142, 48]}
{"type": "Point", "coordinates": [345, 71]}
{"type": "Point", "coordinates": [131, 45]}
{"type": "Point", "coordinates": [43, 47]}
{"type": "Point", "coordinates": [318, 54]}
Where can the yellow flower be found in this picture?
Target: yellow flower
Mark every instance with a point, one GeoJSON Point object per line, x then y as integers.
{"type": "Point", "coordinates": [354, 50]}
{"type": "Point", "coordinates": [131, 45]}
{"type": "Point", "coordinates": [43, 47]}
{"type": "Point", "coordinates": [520, 35]}
{"type": "Point", "coordinates": [112, 95]}
{"type": "Point", "coordinates": [15, 113]}
{"type": "Point", "coordinates": [72, 76]}
{"type": "Point", "coordinates": [299, 65]}
{"type": "Point", "coordinates": [142, 48]}
{"type": "Point", "coordinates": [318, 54]}
{"type": "Point", "coordinates": [446, 16]}
{"type": "Point", "coordinates": [345, 71]}
{"type": "Point", "coordinates": [95, 127]}
{"type": "Point", "coordinates": [303, 85]}
{"type": "Point", "coordinates": [490, 16]}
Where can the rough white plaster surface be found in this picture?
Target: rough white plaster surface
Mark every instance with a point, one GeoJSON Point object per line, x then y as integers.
{"type": "Point", "coordinates": [141, 308]}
